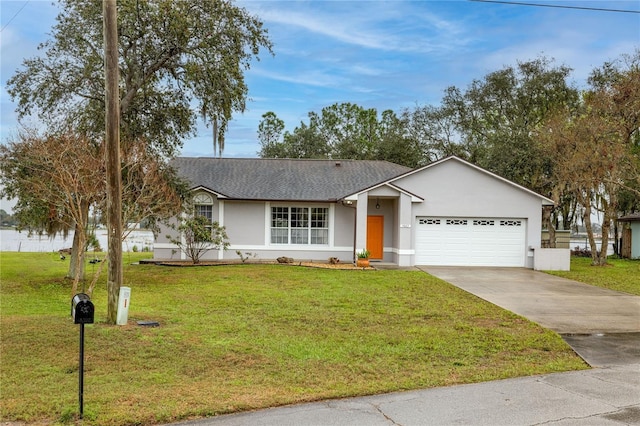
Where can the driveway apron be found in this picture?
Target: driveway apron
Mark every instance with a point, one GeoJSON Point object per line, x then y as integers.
{"type": "Point", "coordinates": [602, 326]}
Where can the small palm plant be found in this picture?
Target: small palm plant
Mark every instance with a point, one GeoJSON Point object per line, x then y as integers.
{"type": "Point", "coordinates": [364, 254]}
{"type": "Point", "coordinates": [363, 258]}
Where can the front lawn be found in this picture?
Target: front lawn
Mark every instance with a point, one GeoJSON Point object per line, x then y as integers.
{"type": "Point", "coordinates": [243, 337]}
{"type": "Point", "coordinates": [619, 274]}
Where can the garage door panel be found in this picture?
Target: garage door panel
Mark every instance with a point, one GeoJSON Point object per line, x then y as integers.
{"type": "Point", "coordinates": [470, 241]}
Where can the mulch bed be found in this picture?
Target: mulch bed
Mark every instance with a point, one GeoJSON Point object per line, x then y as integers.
{"type": "Point", "coordinates": [188, 263]}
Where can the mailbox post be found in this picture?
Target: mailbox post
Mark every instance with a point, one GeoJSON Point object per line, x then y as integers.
{"type": "Point", "coordinates": [82, 312]}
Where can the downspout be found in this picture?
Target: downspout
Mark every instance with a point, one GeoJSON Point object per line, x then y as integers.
{"type": "Point", "coordinates": [349, 203]}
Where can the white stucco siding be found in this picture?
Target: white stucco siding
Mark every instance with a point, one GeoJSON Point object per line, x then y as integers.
{"type": "Point", "coordinates": [165, 232]}
{"type": "Point", "coordinates": [454, 189]}
{"type": "Point", "coordinates": [163, 248]}
{"type": "Point", "coordinates": [244, 222]}
{"type": "Point", "coordinates": [343, 225]}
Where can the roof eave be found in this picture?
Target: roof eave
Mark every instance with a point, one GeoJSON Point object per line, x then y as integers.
{"type": "Point", "coordinates": [631, 218]}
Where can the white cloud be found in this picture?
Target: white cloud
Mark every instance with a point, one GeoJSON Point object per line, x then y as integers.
{"type": "Point", "coordinates": [374, 25]}
{"type": "Point", "coordinates": [302, 77]}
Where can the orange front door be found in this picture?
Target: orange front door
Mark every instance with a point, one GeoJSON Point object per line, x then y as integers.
{"type": "Point", "coordinates": [375, 240]}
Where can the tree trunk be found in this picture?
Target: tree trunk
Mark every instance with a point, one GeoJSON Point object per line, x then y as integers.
{"type": "Point", "coordinates": [75, 252]}
{"type": "Point", "coordinates": [77, 264]}
{"type": "Point", "coordinates": [112, 158]}
{"type": "Point", "coordinates": [587, 224]}
{"type": "Point", "coordinates": [610, 208]}
{"type": "Point", "coordinates": [79, 261]}
{"type": "Point", "coordinates": [616, 240]}
{"type": "Point", "coordinates": [94, 280]}
{"type": "Point", "coordinates": [548, 224]}
{"type": "Point", "coordinates": [606, 227]}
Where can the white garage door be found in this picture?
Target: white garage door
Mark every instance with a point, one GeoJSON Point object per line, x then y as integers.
{"type": "Point", "coordinates": [470, 241]}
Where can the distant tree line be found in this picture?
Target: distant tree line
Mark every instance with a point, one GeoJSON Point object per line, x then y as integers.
{"type": "Point", "coordinates": [526, 123]}
{"type": "Point", "coordinates": [7, 219]}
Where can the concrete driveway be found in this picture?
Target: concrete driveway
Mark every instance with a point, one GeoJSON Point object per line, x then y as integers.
{"type": "Point", "coordinates": [562, 305]}
{"type": "Point", "coordinates": [602, 326]}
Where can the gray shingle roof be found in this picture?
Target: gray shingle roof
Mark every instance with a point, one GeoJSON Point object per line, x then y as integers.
{"type": "Point", "coordinates": [285, 179]}
{"type": "Point", "coordinates": [633, 217]}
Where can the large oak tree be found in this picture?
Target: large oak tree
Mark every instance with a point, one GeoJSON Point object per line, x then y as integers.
{"type": "Point", "coordinates": [179, 60]}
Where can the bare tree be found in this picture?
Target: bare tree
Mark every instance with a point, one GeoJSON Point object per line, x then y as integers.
{"type": "Point", "coordinates": [60, 177]}
{"type": "Point", "coordinates": [66, 173]}
{"type": "Point", "coordinates": [595, 146]}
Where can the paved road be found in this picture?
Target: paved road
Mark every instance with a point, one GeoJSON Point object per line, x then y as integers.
{"type": "Point", "coordinates": [593, 397]}
{"type": "Point", "coordinates": [603, 326]}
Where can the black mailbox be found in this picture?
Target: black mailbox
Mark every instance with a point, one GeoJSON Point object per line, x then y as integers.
{"type": "Point", "coordinates": [82, 309]}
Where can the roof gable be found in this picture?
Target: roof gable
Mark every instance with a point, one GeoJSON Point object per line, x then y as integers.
{"type": "Point", "coordinates": [414, 198]}
{"type": "Point", "coordinates": [284, 179]}
{"type": "Point", "coordinates": [545, 200]}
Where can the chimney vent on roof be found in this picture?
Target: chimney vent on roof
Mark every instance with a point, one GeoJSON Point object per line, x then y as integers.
{"type": "Point", "coordinates": [338, 164]}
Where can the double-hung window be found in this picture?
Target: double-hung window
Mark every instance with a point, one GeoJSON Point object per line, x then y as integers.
{"type": "Point", "coordinates": [300, 225]}
{"type": "Point", "coordinates": [204, 210]}
{"type": "Point", "coordinates": [203, 206]}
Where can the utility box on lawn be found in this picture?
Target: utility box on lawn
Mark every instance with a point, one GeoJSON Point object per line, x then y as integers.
{"type": "Point", "coordinates": [123, 305]}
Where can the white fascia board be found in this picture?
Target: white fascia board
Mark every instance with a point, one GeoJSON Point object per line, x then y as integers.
{"type": "Point", "coordinates": [414, 198]}
{"type": "Point", "coordinates": [205, 189]}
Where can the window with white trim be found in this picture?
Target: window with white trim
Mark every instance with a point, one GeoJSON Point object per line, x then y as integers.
{"type": "Point", "coordinates": [203, 206]}
{"type": "Point", "coordinates": [205, 210]}
{"type": "Point", "coordinates": [300, 225]}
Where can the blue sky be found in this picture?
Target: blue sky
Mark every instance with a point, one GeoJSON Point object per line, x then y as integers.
{"type": "Point", "coordinates": [378, 54]}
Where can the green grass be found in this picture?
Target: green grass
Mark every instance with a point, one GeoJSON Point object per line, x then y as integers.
{"type": "Point", "coordinates": [243, 337]}
{"type": "Point", "coordinates": [619, 274]}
